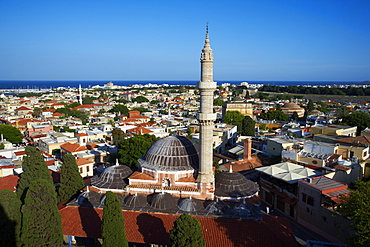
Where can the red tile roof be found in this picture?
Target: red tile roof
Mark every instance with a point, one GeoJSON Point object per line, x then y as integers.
{"type": "Point", "coordinates": [9, 182]}
{"type": "Point", "coordinates": [142, 227]}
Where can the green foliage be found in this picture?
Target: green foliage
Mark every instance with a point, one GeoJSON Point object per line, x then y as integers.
{"type": "Point", "coordinates": [140, 99]}
{"type": "Point", "coordinates": [310, 105]}
{"type": "Point", "coordinates": [118, 136]}
{"type": "Point", "coordinates": [234, 118]}
{"type": "Point", "coordinates": [140, 109]}
{"type": "Point", "coordinates": [352, 91]}
{"type": "Point", "coordinates": [34, 167]}
{"type": "Point", "coordinates": [36, 112]}
{"type": "Point", "coordinates": [131, 149]}
{"type": "Point", "coordinates": [120, 109]}
{"type": "Point", "coordinates": [11, 133]}
{"type": "Point", "coordinates": [74, 104]}
{"type": "Point", "coordinates": [41, 222]}
{"type": "Point", "coordinates": [359, 119]}
{"type": "Point", "coordinates": [295, 116]}
{"type": "Point", "coordinates": [113, 227]}
{"type": "Point", "coordinates": [274, 115]}
{"type": "Point", "coordinates": [88, 100]}
{"type": "Point", "coordinates": [356, 207]}
{"type": "Point", "coordinates": [10, 218]}
{"type": "Point", "coordinates": [248, 126]}
{"type": "Point", "coordinates": [187, 232]}
{"type": "Point", "coordinates": [2, 146]}
{"type": "Point", "coordinates": [154, 102]}
{"type": "Point", "coordinates": [218, 102]}
{"type": "Point", "coordinates": [123, 101]}
{"type": "Point", "coordinates": [70, 179]}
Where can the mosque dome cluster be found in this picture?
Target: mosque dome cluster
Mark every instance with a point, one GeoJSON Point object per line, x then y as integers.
{"type": "Point", "coordinates": [172, 153]}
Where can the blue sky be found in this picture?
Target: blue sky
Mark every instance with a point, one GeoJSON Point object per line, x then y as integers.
{"type": "Point", "coordinates": [307, 40]}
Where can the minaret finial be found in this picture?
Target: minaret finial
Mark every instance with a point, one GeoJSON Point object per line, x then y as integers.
{"type": "Point", "coordinates": [207, 27]}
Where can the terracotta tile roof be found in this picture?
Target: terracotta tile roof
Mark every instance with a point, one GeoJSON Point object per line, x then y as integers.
{"type": "Point", "coordinates": [23, 108]}
{"type": "Point", "coordinates": [355, 140]}
{"type": "Point", "coordinates": [139, 130]}
{"type": "Point", "coordinates": [57, 114]}
{"type": "Point", "coordinates": [82, 134]}
{"type": "Point", "coordinates": [140, 175]}
{"type": "Point", "coordinates": [83, 161]}
{"type": "Point", "coordinates": [191, 179]}
{"type": "Point", "coordinates": [9, 182]}
{"type": "Point", "coordinates": [73, 147]}
{"type": "Point", "coordinates": [244, 164]}
{"type": "Point", "coordinates": [18, 153]}
{"type": "Point", "coordinates": [142, 227]}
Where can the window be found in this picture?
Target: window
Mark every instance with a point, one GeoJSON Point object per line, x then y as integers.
{"type": "Point", "coordinates": [351, 154]}
{"type": "Point", "coordinates": [365, 154]}
{"type": "Point", "coordinates": [304, 197]}
{"type": "Point", "coordinates": [310, 200]}
{"type": "Point", "coordinates": [87, 168]}
{"type": "Point", "coordinates": [81, 170]}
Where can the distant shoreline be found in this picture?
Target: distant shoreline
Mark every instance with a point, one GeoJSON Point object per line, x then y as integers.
{"type": "Point", "coordinates": [47, 84]}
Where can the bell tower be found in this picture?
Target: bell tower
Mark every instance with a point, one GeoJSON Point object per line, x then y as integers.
{"type": "Point", "coordinates": [206, 117]}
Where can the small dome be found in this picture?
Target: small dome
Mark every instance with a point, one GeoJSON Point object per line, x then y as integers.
{"type": "Point", "coordinates": [112, 177]}
{"type": "Point", "coordinates": [89, 199]}
{"type": "Point", "coordinates": [161, 201]}
{"type": "Point", "coordinates": [291, 105]}
{"type": "Point", "coordinates": [136, 200]}
{"type": "Point", "coordinates": [234, 185]}
{"type": "Point", "coordinates": [172, 153]}
{"type": "Point", "coordinates": [189, 205]}
{"type": "Point", "coordinates": [217, 207]}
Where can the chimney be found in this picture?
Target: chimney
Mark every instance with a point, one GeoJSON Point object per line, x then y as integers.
{"type": "Point", "coordinates": [247, 148]}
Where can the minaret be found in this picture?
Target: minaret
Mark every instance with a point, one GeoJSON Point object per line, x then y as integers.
{"type": "Point", "coordinates": [206, 117]}
{"type": "Point", "coordinates": [80, 94]}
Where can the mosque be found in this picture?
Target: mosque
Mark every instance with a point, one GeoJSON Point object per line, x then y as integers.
{"type": "Point", "coordinates": [175, 177]}
{"type": "Point", "coordinates": [176, 169]}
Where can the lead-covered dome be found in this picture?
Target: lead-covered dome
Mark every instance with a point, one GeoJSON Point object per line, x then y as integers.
{"type": "Point", "coordinates": [291, 105]}
{"type": "Point", "coordinates": [234, 185]}
{"type": "Point", "coordinates": [172, 153]}
{"type": "Point", "coordinates": [112, 178]}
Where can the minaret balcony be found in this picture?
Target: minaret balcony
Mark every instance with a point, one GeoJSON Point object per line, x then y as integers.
{"type": "Point", "coordinates": [206, 85]}
{"type": "Point", "coordinates": [206, 116]}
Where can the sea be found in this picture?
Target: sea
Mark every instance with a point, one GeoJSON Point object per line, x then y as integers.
{"type": "Point", "coordinates": [33, 84]}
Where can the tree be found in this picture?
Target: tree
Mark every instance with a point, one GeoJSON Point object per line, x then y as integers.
{"type": "Point", "coordinates": [70, 179]}
{"type": "Point", "coordinates": [41, 221]}
{"type": "Point", "coordinates": [36, 112]}
{"type": "Point", "coordinates": [248, 126]}
{"type": "Point", "coordinates": [11, 133]}
{"type": "Point", "coordinates": [218, 102]}
{"type": "Point", "coordinates": [118, 136]}
{"type": "Point", "coordinates": [274, 115]}
{"type": "Point", "coordinates": [140, 99]}
{"type": "Point", "coordinates": [120, 109]}
{"type": "Point", "coordinates": [356, 207]}
{"type": "Point", "coordinates": [186, 232]}
{"type": "Point", "coordinates": [295, 116]}
{"type": "Point", "coordinates": [234, 118]}
{"type": "Point", "coordinates": [10, 218]}
{"type": "Point", "coordinates": [34, 167]}
{"type": "Point", "coordinates": [310, 105]}
{"type": "Point", "coordinates": [113, 227]}
{"type": "Point", "coordinates": [133, 148]}
{"type": "Point", "coordinates": [359, 119]}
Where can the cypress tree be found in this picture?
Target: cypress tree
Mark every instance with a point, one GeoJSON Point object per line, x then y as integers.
{"type": "Point", "coordinates": [113, 227]}
{"type": "Point", "coordinates": [70, 179]}
{"type": "Point", "coordinates": [41, 221]}
{"type": "Point", "coordinates": [248, 126]}
{"type": "Point", "coordinates": [10, 218]}
{"type": "Point", "coordinates": [187, 232]}
{"type": "Point", "coordinates": [34, 167]}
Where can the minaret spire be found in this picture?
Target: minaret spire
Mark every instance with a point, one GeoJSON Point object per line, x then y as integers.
{"type": "Point", "coordinates": [79, 94]}
{"type": "Point", "coordinates": [206, 117]}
